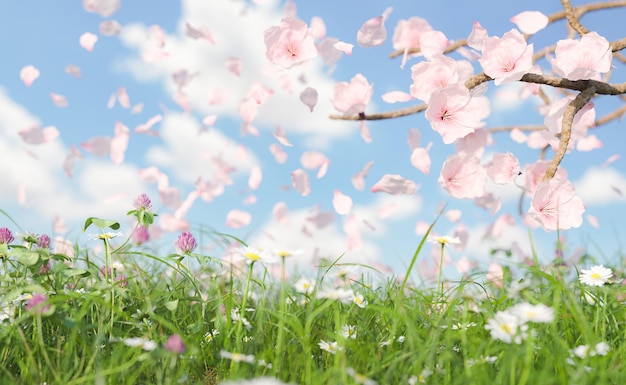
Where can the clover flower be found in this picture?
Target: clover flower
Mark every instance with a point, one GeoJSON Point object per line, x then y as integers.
{"type": "Point", "coordinates": [175, 344]}
{"type": "Point", "coordinates": [6, 236]}
{"type": "Point", "coordinates": [142, 202]}
{"type": "Point", "coordinates": [185, 243]}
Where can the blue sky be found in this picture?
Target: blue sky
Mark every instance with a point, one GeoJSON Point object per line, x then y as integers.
{"type": "Point", "coordinates": [46, 34]}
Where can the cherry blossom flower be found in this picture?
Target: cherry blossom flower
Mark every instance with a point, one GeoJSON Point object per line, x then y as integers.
{"type": "Point", "coordinates": [454, 113]}
{"type": "Point", "coordinates": [373, 33]}
{"type": "Point", "coordinates": [507, 58]}
{"type": "Point", "coordinates": [289, 44]}
{"type": "Point", "coordinates": [408, 33]}
{"type": "Point", "coordinates": [582, 59]}
{"type": "Point", "coordinates": [555, 206]}
{"type": "Point", "coordinates": [504, 168]}
{"type": "Point", "coordinates": [595, 276]}
{"type": "Point", "coordinates": [463, 177]}
{"type": "Point", "coordinates": [351, 98]}
{"type": "Point", "coordinates": [438, 73]}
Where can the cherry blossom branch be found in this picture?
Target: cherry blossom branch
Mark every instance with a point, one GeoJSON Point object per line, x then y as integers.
{"type": "Point", "coordinates": [566, 129]}
{"type": "Point", "coordinates": [521, 128]}
{"type": "Point", "coordinates": [572, 18]}
{"type": "Point", "coordinates": [382, 115]}
{"type": "Point", "coordinates": [613, 115]}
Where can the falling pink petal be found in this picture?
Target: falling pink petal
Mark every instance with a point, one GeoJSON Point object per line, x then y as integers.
{"type": "Point", "coordinates": [588, 143]}
{"type": "Point", "coordinates": [104, 8]}
{"type": "Point", "coordinates": [477, 37]}
{"type": "Point", "coordinates": [119, 143]}
{"type": "Point", "coordinates": [279, 154]}
{"type": "Point", "coordinates": [110, 28]}
{"type": "Point", "coordinates": [518, 136]}
{"type": "Point", "coordinates": [352, 230]}
{"type": "Point", "coordinates": [256, 176]}
{"type": "Point", "coordinates": [170, 223]}
{"type": "Point", "coordinates": [185, 205]}
{"type": "Point", "coordinates": [209, 120]}
{"type": "Point", "coordinates": [610, 160]}
{"type": "Point", "coordinates": [111, 102]}
{"type": "Point", "coordinates": [387, 211]}
{"type": "Point", "coordinates": [250, 200]}
{"type": "Point", "coordinates": [122, 97]}
{"type": "Point", "coordinates": [73, 70]}
{"type": "Point", "coordinates": [280, 135]}
{"type": "Point", "coordinates": [420, 159]}
{"type": "Point", "coordinates": [153, 55]}
{"type": "Point", "coordinates": [37, 135]}
{"type": "Point", "coordinates": [312, 160]}
{"type": "Point", "coordinates": [593, 221]}
{"type": "Point", "coordinates": [365, 132]}
{"type": "Point", "coordinates": [530, 22]}
{"type": "Point", "coordinates": [372, 33]}
{"type": "Point", "coordinates": [29, 74]}
{"type": "Point", "coordinates": [453, 215]}
{"type": "Point", "coordinates": [397, 96]}
{"type": "Point", "coordinates": [68, 163]}
{"type": "Point", "coordinates": [146, 128]}
{"type": "Point", "coordinates": [237, 219]}
{"type": "Point", "coordinates": [58, 225]}
{"type": "Point", "coordinates": [322, 219]}
{"type": "Point", "coordinates": [98, 146]}
{"type": "Point", "coordinates": [318, 27]}
{"type": "Point", "coordinates": [358, 179]}
{"type": "Point", "coordinates": [344, 47]}
{"type": "Point", "coordinates": [137, 108]}
{"type": "Point", "coordinates": [199, 33]}
{"type": "Point", "coordinates": [500, 225]}
{"type": "Point", "coordinates": [234, 65]}
{"type": "Point", "coordinates": [259, 93]}
{"type": "Point", "coordinates": [300, 181]}
{"type": "Point", "coordinates": [280, 211]}
{"type": "Point", "coordinates": [21, 195]}
{"type": "Point", "coordinates": [309, 97]}
{"type": "Point", "coordinates": [421, 227]}
{"type": "Point", "coordinates": [157, 34]}
{"type": "Point", "coordinates": [433, 43]}
{"type": "Point", "coordinates": [395, 185]}
{"type": "Point", "coordinates": [341, 202]}
{"type": "Point", "coordinates": [495, 274]}
{"type": "Point", "coordinates": [58, 100]}
{"type": "Point", "coordinates": [413, 138]}
{"type": "Point", "coordinates": [88, 41]}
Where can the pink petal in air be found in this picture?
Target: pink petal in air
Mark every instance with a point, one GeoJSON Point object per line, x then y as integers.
{"type": "Point", "coordinates": [73, 70]}
{"type": "Point", "coordinates": [255, 178]}
{"type": "Point", "coordinates": [373, 33]}
{"type": "Point", "coordinates": [234, 65]}
{"type": "Point", "coordinates": [279, 154]}
{"type": "Point", "coordinates": [123, 98]}
{"type": "Point", "coordinates": [157, 34]}
{"type": "Point", "coordinates": [199, 33]}
{"type": "Point", "coordinates": [530, 22]}
{"type": "Point", "coordinates": [420, 159]}
{"type": "Point", "coordinates": [318, 27]}
{"type": "Point", "coordinates": [237, 219]}
{"type": "Point", "coordinates": [280, 135]}
{"type": "Point", "coordinates": [37, 135]}
{"type": "Point", "coordinates": [309, 97]}
{"type": "Point", "coordinates": [104, 8]}
{"type": "Point", "coordinates": [395, 185]}
{"type": "Point", "coordinates": [29, 74]}
{"type": "Point", "coordinates": [322, 219]}
{"type": "Point", "coordinates": [110, 28]}
{"type": "Point", "coordinates": [341, 203]}
{"type": "Point", "coordinates": [344, 47]}
{"type": "Point", "coordinates": [146, 128]}
{"type": "Point", "coordinates": [58, 100]}
{"type": "Point", "coordinates": [280, 211]}
{"type": "Point", "coordinates": [397, 96]}
{"type": "Point", "coordinates": [358, 179]}
{"type": "Point", "coordinates": [119, 143]}
{"type": "Point", "coordinates": [300, 181]}
{"type": "Point", "coordinates": [88, 40]}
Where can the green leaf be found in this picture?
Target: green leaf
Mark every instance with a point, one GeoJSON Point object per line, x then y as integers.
{"type": "Point", "coordinates": [26, 257]}
{"type": "Point", "coordinates": [101, 223]}
{"type": "Point", "coordinates": [171, 305]}
{"type": "Point", "coordinates": [76, 272]}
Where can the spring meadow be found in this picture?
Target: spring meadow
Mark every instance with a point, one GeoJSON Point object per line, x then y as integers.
{"type": "Point", "coordinates": [304, 192]}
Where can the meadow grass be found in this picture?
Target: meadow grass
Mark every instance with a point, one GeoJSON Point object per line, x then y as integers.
{"type": "Point", "coordinates": [190, 319]}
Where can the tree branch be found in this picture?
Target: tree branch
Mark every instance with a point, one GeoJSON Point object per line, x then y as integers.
{"type": "Point", "coordinates": [572, 18]}
{"type": "Point", "coordinates": [566, 129]}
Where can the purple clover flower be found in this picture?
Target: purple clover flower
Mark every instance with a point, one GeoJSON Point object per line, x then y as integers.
{"type": "Point", "coordinates": [186, 243]}
{"type": "Point", "coordinates": [143, 202]}
{"type": "Point", "coordinates": [43, 242]}
{"type": "Point", "coordinates": [5, 236]}
{"type": "Point", "coordinates": [37, 304]}
{"type": "Point", "coordinates": [140, 235]}
{"type": "Point", "coordinates": [175, 344]}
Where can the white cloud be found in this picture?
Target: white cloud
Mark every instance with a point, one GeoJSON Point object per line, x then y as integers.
{"type": "Point", "coordinates": [186, 151]}
{"type": "Point", "coordinates": [38, 170]}
{"type": "Point", "coordinates": [601, 186]}
{"type": "Point", "coordinates": [206, 61]}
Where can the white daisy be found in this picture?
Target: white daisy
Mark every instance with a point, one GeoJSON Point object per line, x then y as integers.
{"type": "Point", "coordinates": [596, 276]}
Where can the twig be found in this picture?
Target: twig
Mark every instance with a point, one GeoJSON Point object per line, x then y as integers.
{"type": "Point", "coordinates": [566, 129]}
{"type": "Point", "coordinates": [572, 18]}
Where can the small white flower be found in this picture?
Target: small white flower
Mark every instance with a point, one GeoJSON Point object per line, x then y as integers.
{"type": "Point", "coordinates": [444, 240]}
{"type": "Point", "coordinates": [601, 348]}
{"type": "Point", "coordinates": [507, 327]}
{"type": "Point", "coordinates": [359, 300]}
{"type": "Point", "coordinates": [360, 378]}
{"type": "Point", "coordinates": [533, 313]}
{"type": "Point", "coordinates": [109, 235]}
{"type": "Point", "coordinates": [237, 357]}
{"type": "Point", "coordinates": [348, 331]}
{"type": "Point", "coordinates": [330, 347]}
{"type": "Point", "coordinates": [210, 336]}
{"type": "Point", "coordinates": [252, 254]}
{"type": "Point", "coordinates": [581, 351]}
{"type": "Point", "coordinates": [462, 326]}
{"type": "Point", "coordinates": [143, 343]}
{"type": "Point", "coordinates": [343, 295]}
{"type": "Point", "coordinates": [304, 285]}
{"type": "Point", "coordinates": [236, 317]}
{"type": "Point", "coordinates": [595, 276]}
